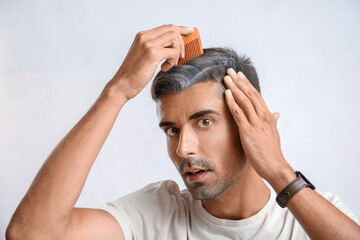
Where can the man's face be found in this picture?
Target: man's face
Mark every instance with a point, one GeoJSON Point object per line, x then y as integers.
{"type": "Point", "coordinates": [202, 139]}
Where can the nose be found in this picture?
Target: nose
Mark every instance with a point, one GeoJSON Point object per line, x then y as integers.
{"type": "Point", "coordinates": [188, 143]}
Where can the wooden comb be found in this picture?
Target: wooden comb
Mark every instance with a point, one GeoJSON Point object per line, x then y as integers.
{"type": "Point", "coordinates": [193, 47]}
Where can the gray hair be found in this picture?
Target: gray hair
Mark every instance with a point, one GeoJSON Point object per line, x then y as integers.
{"type": "Point", "coordinates": [211, 66]}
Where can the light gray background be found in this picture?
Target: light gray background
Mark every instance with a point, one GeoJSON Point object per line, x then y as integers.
{"type": "Point", "coordinates": [56, 56]}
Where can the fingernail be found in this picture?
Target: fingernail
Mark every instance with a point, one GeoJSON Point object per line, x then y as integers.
{"type": "Point", "coordinates": [228, 79]}
{"type": "Point", "coordinates": [231, 71]}
{"type": "Point", "coordinates": [228, 92]}
{"type": "Point", "coordinates": [241, 75]}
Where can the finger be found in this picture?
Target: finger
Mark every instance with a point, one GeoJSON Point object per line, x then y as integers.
{"type": "Point", "coordinates": [185, 30]}
{"type": "Point", "coordinates": [236, 111]}
{"type": "Point", "coordinates": [155, 32]}
{"type": "Point", "coordinates": [166, 66]}
{"type": "Point", "coordinates": [167, 40]}
{"type": "Point", "coordinates": [242, 100]}
{"type": "Point", "coordinates": [251, 88]}
{"type": "Point", "coordinates": [174, 60]}
{"type": "Point", "coordinates": [276, 116]}
{"type": "Point", "coordinates": [167, 53]}
{"type": "Point", "coordinates": [248, 89]}
{"type": "Point", "coordinates": [182, 47]}
{"type": "Point", "coordinates": [182, 30]}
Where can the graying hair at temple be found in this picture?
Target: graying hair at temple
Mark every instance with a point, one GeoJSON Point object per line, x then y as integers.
{"type": "Point", "coordinates": [211, 66]}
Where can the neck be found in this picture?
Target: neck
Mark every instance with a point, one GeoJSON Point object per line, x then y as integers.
{"type": "Point", "coordinates": [243, 199]}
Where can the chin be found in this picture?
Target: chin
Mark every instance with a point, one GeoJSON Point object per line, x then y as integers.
{"type": "Point", "coordinates": [202, 191]}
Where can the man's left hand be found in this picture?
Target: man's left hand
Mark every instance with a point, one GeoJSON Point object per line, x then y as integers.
{"type": "Point", "coordinates": [257, 127]}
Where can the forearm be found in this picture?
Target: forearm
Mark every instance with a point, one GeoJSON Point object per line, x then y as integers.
{"type": "Point", "coordinates": [49, 203]}
{"type": "Point", "coordinates": [56, 188]}
{"type": "Point", "coordinates": [261, 143]}
{"type": "Point", "coordinates": [318, 217]}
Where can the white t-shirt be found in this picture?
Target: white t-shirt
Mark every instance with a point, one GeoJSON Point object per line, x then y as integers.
{"type": "Point", "coordinates": [161, 211]}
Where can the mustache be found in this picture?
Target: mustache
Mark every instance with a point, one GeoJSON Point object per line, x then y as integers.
{"type": "Point", "coordinates": [191, 161]}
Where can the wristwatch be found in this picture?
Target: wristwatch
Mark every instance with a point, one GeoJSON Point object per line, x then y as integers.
{"type": "Point", "coordinates": [292, 188]}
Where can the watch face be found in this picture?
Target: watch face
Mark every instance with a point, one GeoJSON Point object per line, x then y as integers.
{"type": "Point", "coordinates": [310, 185]}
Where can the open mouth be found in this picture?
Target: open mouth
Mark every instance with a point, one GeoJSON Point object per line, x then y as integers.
{"type": "Point", "coordinates": [195, 172]}
{"type": "Point", "coordinates": [195, 175]}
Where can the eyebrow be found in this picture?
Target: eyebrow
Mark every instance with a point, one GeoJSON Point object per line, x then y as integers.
{"type": "Point", "coordinates": [194, 116]}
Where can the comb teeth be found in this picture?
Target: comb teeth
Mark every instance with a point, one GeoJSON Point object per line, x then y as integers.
{"type": "Point", "coordinates": [192, 50]}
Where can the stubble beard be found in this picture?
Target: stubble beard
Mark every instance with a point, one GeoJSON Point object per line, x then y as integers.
{"type": "Point", "coordinates": [205, 191]}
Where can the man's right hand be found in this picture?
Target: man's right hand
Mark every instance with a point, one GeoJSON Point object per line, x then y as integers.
{"type": "Point", "coordinates": [146, 53]}
{"type": "Point", "coordinates": [47, 209]}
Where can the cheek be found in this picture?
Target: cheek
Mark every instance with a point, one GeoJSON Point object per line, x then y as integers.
{"type": "Point", "coordinates": [226, 134]}
{"type": "Point", "coordinates": [233, 132]}
{"type": "Point", "coordinates": [215, 142]}
{"type": "Point", "coordinates": [222, 143]}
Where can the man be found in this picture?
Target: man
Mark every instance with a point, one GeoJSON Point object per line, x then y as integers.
{"type": "Point", "coordinates": [222, 145]}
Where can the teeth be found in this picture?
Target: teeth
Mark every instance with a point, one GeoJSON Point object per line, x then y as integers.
{"type": "Point", "coordinates": [195, 172]}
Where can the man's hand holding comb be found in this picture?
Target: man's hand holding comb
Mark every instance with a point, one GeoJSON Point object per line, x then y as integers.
{"type": "Point", "coordinates": [148, 50]}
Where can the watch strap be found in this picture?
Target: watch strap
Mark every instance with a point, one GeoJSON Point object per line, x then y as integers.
{"type": "Point", "coordinates": [290, 190]}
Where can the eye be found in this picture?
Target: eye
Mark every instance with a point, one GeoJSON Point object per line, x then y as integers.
{"type": "Point", "coordinates": [171, 131]}
{"type": "Point", "coordinates": [204, 123]}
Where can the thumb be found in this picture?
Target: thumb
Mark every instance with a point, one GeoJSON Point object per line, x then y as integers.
{"type": "Point", "coordinates": [166, 66]}
{"type": "Point", "coordinates": [276, 116]}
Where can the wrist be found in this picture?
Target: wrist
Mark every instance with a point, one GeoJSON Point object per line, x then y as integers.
{"type": "Point", "coordinates": [281, 178]}
{"type": "Point", "coordinates": [116, 91]}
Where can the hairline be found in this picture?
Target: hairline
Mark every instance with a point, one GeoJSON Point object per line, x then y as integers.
{"type": "Point", "coordinates": [221, 89]}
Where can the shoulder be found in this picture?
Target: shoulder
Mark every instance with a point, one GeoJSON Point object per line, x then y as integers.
{"type": "Point", "coordinates": [147, 210]}
{"type": "Point", "coordinates": [154, 194]}
{"type": "Point", "coordinates": [166, 186]}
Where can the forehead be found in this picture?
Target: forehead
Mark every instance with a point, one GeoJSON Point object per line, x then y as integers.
{"type": "Point", "coordinates": [201, 96]}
